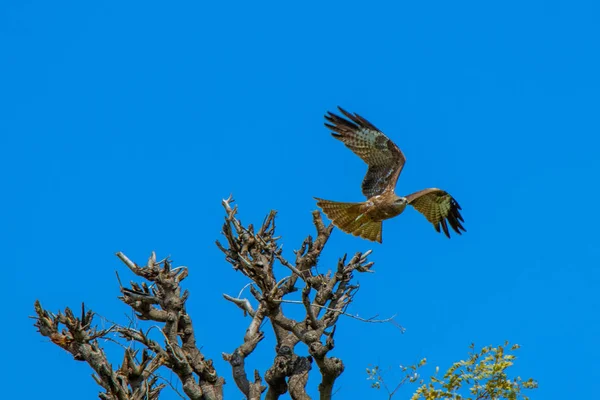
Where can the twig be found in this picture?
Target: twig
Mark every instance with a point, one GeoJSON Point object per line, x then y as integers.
{"type": "Point", "coordinates": [244, 304]}
{"type": "Point", "coordinates": [126, 260]}
{"type": "Point", "coordinates": [242, 291]}
{"type": "Point", "coordinates": [370, 320]}
{"type": "Point", "coordinates": [287, 264]}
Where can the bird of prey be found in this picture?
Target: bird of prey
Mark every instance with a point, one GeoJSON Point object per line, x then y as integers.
{"type": "Point", "coordinates": [385, 161]}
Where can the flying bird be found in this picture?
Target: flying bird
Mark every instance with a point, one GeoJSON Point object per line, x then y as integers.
{"type": "Point", "coordinates": [385, 161]}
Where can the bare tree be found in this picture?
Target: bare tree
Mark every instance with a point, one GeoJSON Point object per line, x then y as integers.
{"type": "Point", "coordinates": [161, 299]}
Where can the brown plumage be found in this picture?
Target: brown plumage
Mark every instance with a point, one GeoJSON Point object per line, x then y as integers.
{"type": "Point", "coordinates": [385, 161]}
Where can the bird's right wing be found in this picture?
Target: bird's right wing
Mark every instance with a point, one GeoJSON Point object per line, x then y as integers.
{"type": "Point", "coordinates": [384, 158]}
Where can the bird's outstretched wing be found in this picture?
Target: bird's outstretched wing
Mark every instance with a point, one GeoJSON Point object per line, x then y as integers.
{"type": "Point", "coordinates": [439, 208]}
{"type": "Point", "coordinates": [384, 158]}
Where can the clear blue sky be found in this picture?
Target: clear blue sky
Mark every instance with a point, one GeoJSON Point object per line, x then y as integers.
{"type": "Point", "coordinates": [123, 126]}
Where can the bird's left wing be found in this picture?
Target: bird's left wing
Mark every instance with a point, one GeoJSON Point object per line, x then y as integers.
{"type": "Point", "coordinates": [384, 158]}
{"type": "Point", "coordinates": [439, 208]}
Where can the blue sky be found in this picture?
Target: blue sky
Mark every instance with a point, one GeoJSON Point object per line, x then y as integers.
{"type": "Point", "coordinates": [124, 125]}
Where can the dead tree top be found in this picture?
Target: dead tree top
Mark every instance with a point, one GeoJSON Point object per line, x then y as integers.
{"type": "Point", "coordinates": [160, 298]}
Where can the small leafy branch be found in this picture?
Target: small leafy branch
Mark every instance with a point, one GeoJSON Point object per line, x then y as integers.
{"type": "Point", "coordinates": [410, 373]}
{"type": "Point", "coordinates": [484, 373]}
{"type": "Point", "coordinates": [483, 376]}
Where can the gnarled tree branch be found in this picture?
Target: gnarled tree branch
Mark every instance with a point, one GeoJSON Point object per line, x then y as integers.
{"type": "Point", "coordinates": [160, 299]}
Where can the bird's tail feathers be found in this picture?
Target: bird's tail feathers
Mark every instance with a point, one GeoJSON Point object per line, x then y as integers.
{"type": "Point", "coordinates": [349, 217]}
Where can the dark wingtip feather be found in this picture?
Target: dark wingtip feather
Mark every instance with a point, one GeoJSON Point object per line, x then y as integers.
{"type": "Point", "coordinates": [340, 124]}
{"type": "Point", "coordinates": [334, 129]}
{"type": "Point", "coordinates": [459, 217]}
{"type": "Point", "coordinates": [445, 228]}
{"type": "Point", "coordinates": [456, 213]}
{"type": "Point", "coordinates": [346, 113]}
{"type": "Point", "coordinates": [455, 210]}
{"type": "Point", "coordinates": [454, 223]}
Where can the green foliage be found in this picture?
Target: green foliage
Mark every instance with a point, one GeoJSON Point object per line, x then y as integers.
{"type": "Point", "coordinates": [410, 375]}
{"type": "Point", "coordinates": [481, 377]}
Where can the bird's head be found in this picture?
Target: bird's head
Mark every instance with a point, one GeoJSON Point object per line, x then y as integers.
{"type": "Point", "coordinates": [400, 202]}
